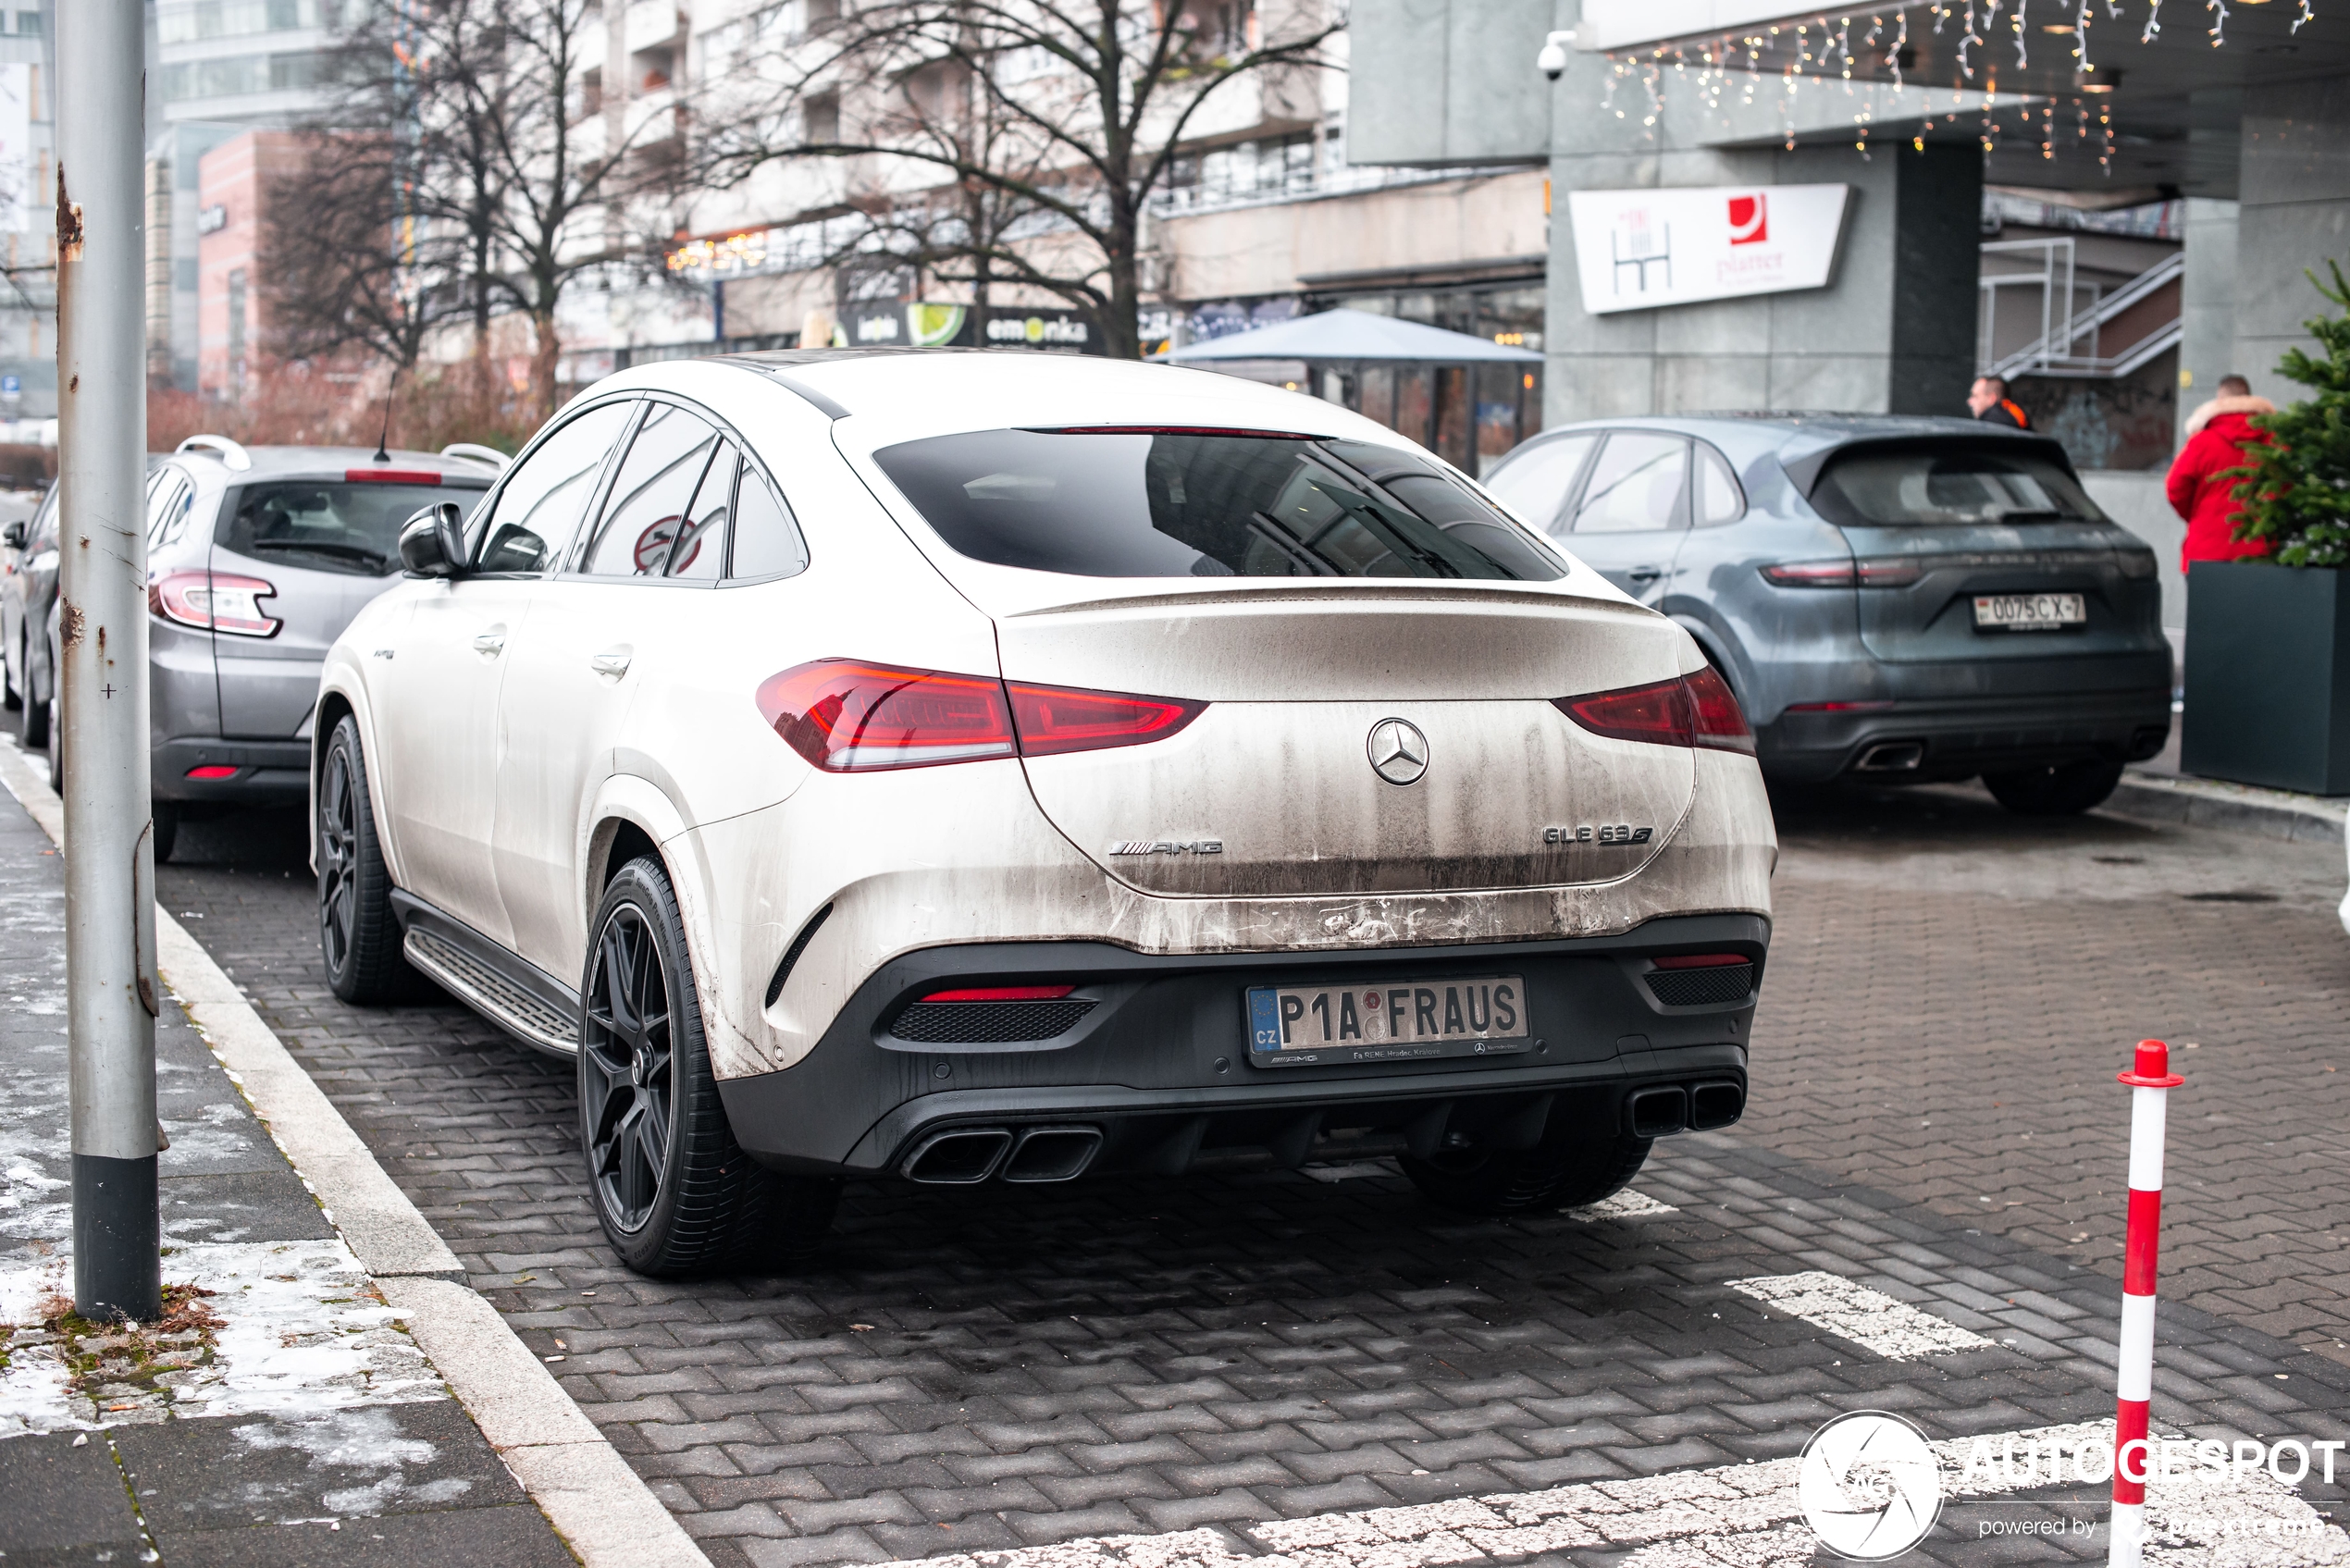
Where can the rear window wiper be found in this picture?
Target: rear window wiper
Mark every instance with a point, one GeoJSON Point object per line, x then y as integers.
{"type": "Point", "coordinates": [321, 547]}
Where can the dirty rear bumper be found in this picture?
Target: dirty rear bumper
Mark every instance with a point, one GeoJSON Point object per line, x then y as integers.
{"type": "Point", "coordinates": [1159, 1067]}
{"type": "Point", "coordinates": [1915, 742]}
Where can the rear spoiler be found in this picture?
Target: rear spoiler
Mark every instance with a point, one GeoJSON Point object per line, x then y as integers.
{"type": "Point", "coordinates": [1804, 471]}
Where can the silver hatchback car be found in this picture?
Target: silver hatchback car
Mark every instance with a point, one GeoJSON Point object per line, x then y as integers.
{"type": "Point", "coordinates": [256, 560]}
{"type": "Point", "coordinates": [1895, 598]}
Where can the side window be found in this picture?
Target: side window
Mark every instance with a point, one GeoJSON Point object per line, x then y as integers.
{"type": "Point", "coordinates": [42, 535]}
{"type": "Point", "coordinates": [701, 543]}
{"type": "Point", "coordinates": [1535, 482]}
{"type": "Point", "coordinates": [170, 496]}
{"type": "Point", "coordinates": [1718, 498]}
{"type": "Point", "coordinates": [655, 484]}
{"type": "Point", "coordinates": [1636, 485]}
{"type": "Point", "coordinates": [767, 542]}
{"type": "Point", "coordinates": [540, 508]}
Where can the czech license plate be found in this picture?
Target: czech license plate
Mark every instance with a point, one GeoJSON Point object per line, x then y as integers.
{"type": "Point", "coordinates": [2029, 612]}
{"type": "Point", "coordinates": [1393, 1021]}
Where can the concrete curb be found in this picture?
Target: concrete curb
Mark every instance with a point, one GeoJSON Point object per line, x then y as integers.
{"type": "Point", "coordinates": [2206, 803]}
{"type": "Point", "coordinates": [601, 1507]}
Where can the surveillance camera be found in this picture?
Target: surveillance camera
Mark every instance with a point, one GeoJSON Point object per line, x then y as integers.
{"type": "Point", "coordinates": [1553, 59]}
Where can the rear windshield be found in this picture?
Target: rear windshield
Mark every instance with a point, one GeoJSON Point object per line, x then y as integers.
{"type": "Point", "coordinates": [1957, 482]}
{"type": "Point", "coordinates": [332, 526]}
{"type": "Point", "coordinates": [1205, 504]}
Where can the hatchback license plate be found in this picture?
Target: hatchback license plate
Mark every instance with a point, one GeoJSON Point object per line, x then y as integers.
{"type": "Point", "coordinates": [1406, 1020]}
{"type": "Point", "coordinates": [2029, 612]}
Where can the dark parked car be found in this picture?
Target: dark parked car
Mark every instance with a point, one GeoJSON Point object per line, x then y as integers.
{"type": "Point", "coordinates": [27, 592]}
{"type": "Point", "coordinates": [1895, 599]}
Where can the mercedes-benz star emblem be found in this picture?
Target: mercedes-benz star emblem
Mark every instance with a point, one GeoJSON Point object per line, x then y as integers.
{"type": "Point", "coordinates": [1399, 752]}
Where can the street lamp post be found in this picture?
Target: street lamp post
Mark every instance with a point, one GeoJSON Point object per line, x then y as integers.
{"type": "Point", "coordinates": [109, 841]}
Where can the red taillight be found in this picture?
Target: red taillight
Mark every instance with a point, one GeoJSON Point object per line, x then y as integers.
{"type": "Point", "coordinates": [1687, 711]}
{"type": "Point", "coordinates": [212, 770]}
{"type": "Point", "coordinates": [1003, 994]}
{"type": "Point", "coordinates": [1886, 573]}
{"type": "Point", "coordinates": [1052, 720]}
{"type": "Point", "coordinates": [848, 717]}
{"type": "Point", "coordinates": [1701, 960]}
{"type": "Point", "coordinates": [1720, 721]}
{"type": "Point", "coordinates": [391, 475]}
{"type": "Point", "coordinates": [214, 601]}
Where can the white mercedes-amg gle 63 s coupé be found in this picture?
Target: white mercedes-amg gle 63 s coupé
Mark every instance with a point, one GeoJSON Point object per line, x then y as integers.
{"type": "Point", "coordinates": [979, 767]}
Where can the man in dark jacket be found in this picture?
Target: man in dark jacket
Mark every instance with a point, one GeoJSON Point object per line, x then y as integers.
{"type": "Point", "coordinates": [1991, 403]}
{"type": "Point", "coordinates": [2218, 434]}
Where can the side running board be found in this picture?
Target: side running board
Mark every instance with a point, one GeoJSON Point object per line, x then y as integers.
{"type": "Point", "coordinates": [516, 1009]}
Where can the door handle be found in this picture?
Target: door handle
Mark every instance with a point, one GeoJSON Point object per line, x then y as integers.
{"type": "Point", "coordinates": [1645, 573]}
{"type": "Point", "coordinates": [612, 661]}
{"type": "Point", "coordinates": [491, 642]}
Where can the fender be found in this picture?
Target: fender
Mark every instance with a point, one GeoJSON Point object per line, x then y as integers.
{"type": "Point", "coordinates": [1721, 654]}
{"type": "Point", "coordinates": [631, 798]}
{"type": "Point", "coordinates": [342, 677]}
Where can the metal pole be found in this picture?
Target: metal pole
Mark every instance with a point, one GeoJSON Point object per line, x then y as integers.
{"type": "Point", "coordinates": [101, 441]}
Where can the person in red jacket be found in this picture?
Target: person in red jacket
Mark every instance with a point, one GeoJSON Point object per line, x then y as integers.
{"type": "Point", "coordinates": [2218, 434]}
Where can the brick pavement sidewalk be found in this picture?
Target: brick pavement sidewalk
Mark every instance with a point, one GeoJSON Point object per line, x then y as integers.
{"type": "Point", "coordinates": [981, 1371]}
{"type": "Point", "coordinates": [277, 1414]}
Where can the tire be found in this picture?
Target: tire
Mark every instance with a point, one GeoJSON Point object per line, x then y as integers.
{"type": "Point", "coordinates": [2064, 790]}
{"type": "Point", "coordinates": [32, 724]}
{"type": "Point", "coordinates": [1553, 1177]}
{"type": "Point", "coordinates": [53, 739]}
{"type": "Point", "coordinates": [675, 1192]}
{"type": "Point", "coordinates": [358, 934]}
{"type": "Point", "coordinates": [10, 697]}
{"type": "Point", "coordinates": [166, 820]}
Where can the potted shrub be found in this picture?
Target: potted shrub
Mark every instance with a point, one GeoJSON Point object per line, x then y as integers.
{"type": "Point", "coordinates": [2267, 678]}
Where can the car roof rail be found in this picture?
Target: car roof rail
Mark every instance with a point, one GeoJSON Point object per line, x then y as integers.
{"type": "Point", "coordinates": [475, 451]}
{"type": "Point", "coordinates": [231, 456]}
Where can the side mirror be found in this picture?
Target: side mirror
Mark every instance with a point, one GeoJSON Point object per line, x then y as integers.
{"type": "Point", "coordinates": [13, 534]}
{"type": "Point", "coordinates": [432, 543]}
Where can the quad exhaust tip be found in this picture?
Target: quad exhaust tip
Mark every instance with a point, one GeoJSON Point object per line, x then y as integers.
{"type": "Point", "coordinates": [1715, 1105]}
{"type": "Point", "coordinates": [964, 1156]}
{"type": "Point", "coordinates": [1891, 756]}
{"type": "Point", "coordinates": [1659, 1113]}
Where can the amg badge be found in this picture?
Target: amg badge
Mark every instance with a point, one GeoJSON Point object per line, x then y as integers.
{"type": "Point", "coordinates": [1167, 846]}
{"type": "Point", "coordinates": [1604, 833]}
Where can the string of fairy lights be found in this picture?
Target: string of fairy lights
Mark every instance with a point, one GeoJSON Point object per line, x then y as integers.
{"type": "Point", "coordinates": [1822, 54]}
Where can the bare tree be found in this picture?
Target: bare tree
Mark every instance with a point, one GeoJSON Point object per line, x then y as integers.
{"type": "Point", "coordinates": [502, 181]}
{"type": "Point", "coordinates": [331, 236]}
{"type": "Point", "coordinates": [1031, 132]}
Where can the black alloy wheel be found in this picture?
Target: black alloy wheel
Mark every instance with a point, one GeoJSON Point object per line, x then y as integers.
{"type": "Point", "coordinates": [675, 1192]}
{"type": "Point", "coordinates": [627, 1070]}
{"type": "Point", "coordinates": [358, 933]}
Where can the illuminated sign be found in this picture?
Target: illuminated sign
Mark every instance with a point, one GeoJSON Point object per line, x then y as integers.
{"type": "Point", "coordinates": [1637, 250]}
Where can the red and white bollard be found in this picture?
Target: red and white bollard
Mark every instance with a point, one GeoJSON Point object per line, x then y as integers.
{"type": "Point", "coordinates": [2150, 1080]}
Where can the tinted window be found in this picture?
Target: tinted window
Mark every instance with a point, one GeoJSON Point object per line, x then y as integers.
{"type": "Point", "coordinates": [649, 495]}
{"type": "Point", "coordinates": [1953, 483]}
{"type": "Point", "coordinates": [700, 552]}
{"type": "Point", "coordinates": [1535, 481]}
{"type": "Point", "coordinates": [540, 508]}
{"type": "Point", "coordinates": [332, 527]}
{"type": "Point", "coordinates": [767, 542]}
{"type": "Point", "coordinates": [1636, 485]}
{"type": "Point", "coordinates": [1204, 505]}
{"type": "Point", "coordinates": [1719, 499]}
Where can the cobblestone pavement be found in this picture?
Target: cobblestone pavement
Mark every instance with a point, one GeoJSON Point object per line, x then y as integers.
{"type": "Point", "coordinates": [1949, 994]}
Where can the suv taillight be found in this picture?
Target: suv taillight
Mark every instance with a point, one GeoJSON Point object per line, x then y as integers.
{"type": "Point", "coordinates": [845, 716]}
{"type": "Point", "coordinates": [1687, 711]}
{"type": "Point", "coordinates": [214, 601]}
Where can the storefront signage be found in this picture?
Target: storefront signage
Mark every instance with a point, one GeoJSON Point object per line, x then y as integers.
{"type": "Point", "coordinates": [1637, 250]}
{"type": "Point", "coordinates": [926, 325]}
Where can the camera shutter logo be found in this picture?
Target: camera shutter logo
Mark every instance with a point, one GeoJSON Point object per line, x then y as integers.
{"type": "Point", "coordinates": [1870, 1487]}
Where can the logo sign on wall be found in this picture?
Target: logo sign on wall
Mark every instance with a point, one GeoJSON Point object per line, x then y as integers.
{"type": "Point", "coordinates": [1637, 250]}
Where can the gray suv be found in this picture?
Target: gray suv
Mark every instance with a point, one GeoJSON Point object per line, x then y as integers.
{"type": "Point", "coordinates": [256, 560]}
{"type": "Point", "coordinates": [1899, 599]}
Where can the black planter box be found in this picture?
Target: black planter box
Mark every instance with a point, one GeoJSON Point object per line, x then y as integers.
{"type": "Point", "coordinates": [2268, 697]}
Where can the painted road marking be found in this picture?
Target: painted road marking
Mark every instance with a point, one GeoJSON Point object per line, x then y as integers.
{"type": "Point", "coordinates": [1626, 1205]}
{"type": "Point", "coordinates": [1732, 1516]}
{"type": "Point", "coordinates": [1871, 1319]}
